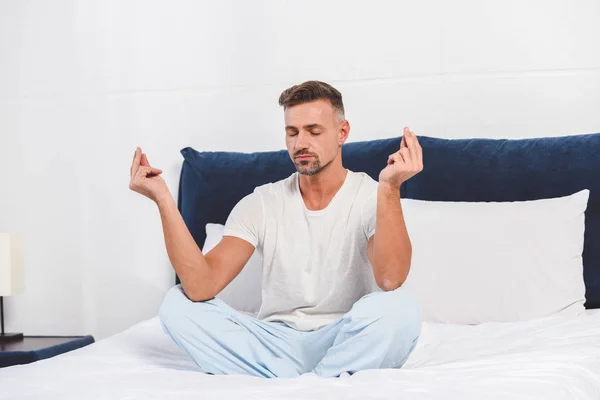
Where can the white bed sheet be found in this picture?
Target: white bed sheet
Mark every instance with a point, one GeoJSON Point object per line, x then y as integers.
{"type": "Point", "coordinates": [549, 358]}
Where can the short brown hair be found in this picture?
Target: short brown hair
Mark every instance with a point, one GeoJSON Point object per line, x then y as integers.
{"type": "Point", "coordinates": [311, 91]}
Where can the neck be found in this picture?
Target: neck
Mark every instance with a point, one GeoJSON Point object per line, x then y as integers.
{"type": "Point", "coordinates": [318, 190]}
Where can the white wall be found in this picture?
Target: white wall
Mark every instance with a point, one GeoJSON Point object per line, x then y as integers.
{"type": "Point", "coordinates": [82, 83]}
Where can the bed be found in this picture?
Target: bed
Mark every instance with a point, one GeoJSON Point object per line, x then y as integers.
{"type": "Point", "coordinates": [551, 357]}
{"type": "Point", "coordinates": [547, 358]}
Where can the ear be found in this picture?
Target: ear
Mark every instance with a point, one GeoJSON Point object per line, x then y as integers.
{"type": "Point", "coordinates": [343, 132]}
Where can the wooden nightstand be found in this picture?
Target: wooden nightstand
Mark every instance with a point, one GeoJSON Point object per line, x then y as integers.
{"type": "Point", "coordinates": [34, 348]}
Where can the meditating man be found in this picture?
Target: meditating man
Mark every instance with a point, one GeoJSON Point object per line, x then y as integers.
{"type": "Point", "coordinates": [335, 255]}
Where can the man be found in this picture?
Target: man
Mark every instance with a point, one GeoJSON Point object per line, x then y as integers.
{"type": "Point", "coordinates": [336, 252]}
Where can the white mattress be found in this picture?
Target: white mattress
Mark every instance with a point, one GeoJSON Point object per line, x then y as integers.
{"type": "Point", "coordinates": [550, 358]}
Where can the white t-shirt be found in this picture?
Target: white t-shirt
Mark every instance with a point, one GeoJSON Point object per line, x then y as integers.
{"type": "Point", "coordinates": [315, 264]}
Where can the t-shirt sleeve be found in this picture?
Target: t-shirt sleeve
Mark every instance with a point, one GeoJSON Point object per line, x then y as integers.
{"type": "Point", "coordinates": [246, 219]}
{"type": "Point", "coordinates": [369, 214]}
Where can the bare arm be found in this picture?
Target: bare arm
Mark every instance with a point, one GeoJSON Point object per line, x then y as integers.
{"type": "Point", "coordinates": [389, 249]}
{"type": "Point", "coordinates": [202, 276]}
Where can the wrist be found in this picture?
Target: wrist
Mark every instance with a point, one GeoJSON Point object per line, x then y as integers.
{"type": "Point", "coordinates": [164, 201]}
{"type": "Point", "coordinates": [388, 189]}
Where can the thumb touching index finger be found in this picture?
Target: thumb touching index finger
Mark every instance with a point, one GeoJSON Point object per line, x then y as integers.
{"type": "Point", "coordinates": [136, 161]}
{"type": "Point", "coordinates": [403, 141]}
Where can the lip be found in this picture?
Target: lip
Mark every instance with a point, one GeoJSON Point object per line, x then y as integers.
{"type": "Point", "coordinates": [303, 157]}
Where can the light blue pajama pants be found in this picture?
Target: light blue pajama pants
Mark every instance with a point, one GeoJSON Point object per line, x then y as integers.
{"type": "Point", "coordinates": [380, 331]}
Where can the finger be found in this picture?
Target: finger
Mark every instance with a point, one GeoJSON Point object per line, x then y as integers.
{"type": "Point", "coordinates": [144, 160]}
{"type": "Point", "coordinates": [418, 150]}
{"type": "Point", "coordinates": [411, 142]}
{"type": "Point", "coordinates": [419, 156]}
{"type": "Point", "coordinates": [136, 161]}
{"type": "Point", "coordinates": [146, 171]}
{"type": "Point", "coordinates": [403, 153]}
{"type": "Point", "coordinates": [397, 157]}
{"type": "Point", "coordinates": [406, 156]}
{"type": "Point", "coordinates": [142, 171]}
{"type": "Point", "coordinates": [404, 137]}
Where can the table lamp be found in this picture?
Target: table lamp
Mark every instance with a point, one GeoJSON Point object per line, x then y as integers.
{"type": "Point", "coordinates": [11, 276]}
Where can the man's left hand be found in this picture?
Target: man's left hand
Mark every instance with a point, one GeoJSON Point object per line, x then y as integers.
{"type": "Point", "coordinates": [405, 163]}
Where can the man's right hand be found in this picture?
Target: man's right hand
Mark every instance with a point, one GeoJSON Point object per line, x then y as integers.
{"type": "Point", "coordinates": [145, 179]}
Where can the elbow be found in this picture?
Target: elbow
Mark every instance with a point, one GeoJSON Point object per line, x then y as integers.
{"type": "Point", "coordinates": [389, 284]}
{"type": "Point", "coordinates": [197, 294]}
{"type": "Point", "coordinates": [199, 286]}
{"type": "Point", "coordinates": [393, 279]}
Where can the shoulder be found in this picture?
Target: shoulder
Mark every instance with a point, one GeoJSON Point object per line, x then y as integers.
{"type": "Point", "coordinates": [277, 189]}
{"type": "Point", "coordinates": [365, 185]}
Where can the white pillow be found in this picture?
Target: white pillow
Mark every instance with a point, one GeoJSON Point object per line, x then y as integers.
{"type": "Point", "coordinates": [476, 262]}
{"type": "Point", "coordinates": [244, 292]}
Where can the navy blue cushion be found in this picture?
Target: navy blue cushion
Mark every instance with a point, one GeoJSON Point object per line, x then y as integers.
{"type": "Point", "coordinates": [211, 183]}
{"type": "Point", "coordinates": [518, 170]}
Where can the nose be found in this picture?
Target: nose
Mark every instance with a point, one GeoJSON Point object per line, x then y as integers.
{"type": "Point", "coordinates": [301, 142]}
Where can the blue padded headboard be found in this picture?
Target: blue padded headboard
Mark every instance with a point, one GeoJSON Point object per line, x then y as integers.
{"type": "Point", "coordinates": [211, 183]}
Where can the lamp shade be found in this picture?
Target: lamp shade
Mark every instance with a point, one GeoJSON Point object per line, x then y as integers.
{"type": "Point", "coordinates": [11, 264]}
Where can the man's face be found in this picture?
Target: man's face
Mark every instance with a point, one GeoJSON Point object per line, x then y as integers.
{"type": "Point", "coordinates": [314, 132]}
